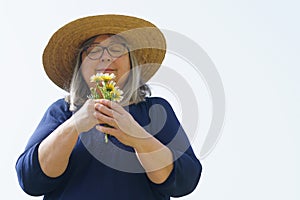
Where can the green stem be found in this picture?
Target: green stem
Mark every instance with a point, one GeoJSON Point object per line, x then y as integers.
{"type": "Point", "coordinates": [106, 138]}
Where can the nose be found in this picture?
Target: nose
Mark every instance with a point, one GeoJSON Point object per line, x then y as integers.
{"type": "Point", "coordinates": [105, 56]}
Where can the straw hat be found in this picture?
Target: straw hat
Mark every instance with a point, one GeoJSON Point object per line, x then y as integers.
{"type": "Point", "coordinates": [143, 37]}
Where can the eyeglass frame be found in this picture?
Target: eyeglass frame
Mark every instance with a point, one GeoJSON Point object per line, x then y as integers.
{"type": "Point", "coordinates": [84, 49]}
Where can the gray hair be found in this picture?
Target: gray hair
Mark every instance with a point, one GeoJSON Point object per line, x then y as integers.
{"type": "Point", "coordinates": [134, 89]}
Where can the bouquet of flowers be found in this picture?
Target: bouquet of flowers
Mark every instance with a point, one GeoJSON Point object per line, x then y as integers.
{"type": "Point", "coordinates": [105, 88]}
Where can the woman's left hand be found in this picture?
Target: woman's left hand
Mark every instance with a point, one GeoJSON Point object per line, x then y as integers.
{"type": "Point", "coordinates": [124, 127]}
{"type": "Point", "coordinates": [156, 159]}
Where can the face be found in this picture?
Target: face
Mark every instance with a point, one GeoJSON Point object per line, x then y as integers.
{"type": "Point", "coordinates": [107, 62]}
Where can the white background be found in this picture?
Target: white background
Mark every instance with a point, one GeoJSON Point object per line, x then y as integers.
{"type": "Point", "coordinates": [254, 45]}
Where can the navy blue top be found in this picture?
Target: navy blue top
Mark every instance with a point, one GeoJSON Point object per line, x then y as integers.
{"type": "Point", "coordinates": [111, 171]}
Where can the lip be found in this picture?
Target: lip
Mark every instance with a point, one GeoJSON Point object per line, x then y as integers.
{"type": "Point", "coordinates": [107, 70]}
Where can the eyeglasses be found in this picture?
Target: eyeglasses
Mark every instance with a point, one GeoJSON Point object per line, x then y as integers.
{"type": "Point", "coordinates": [115, 50]}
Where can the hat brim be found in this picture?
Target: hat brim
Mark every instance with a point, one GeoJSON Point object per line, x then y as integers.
{"type": "Point", "coordinates": [59, 57]}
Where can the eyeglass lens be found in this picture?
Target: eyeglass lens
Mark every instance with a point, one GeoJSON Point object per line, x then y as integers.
{"type": "Point", "coordinates": [95, 51]}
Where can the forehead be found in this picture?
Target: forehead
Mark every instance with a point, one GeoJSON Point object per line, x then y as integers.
{"type": "Point", "coordinates": [107, 39]}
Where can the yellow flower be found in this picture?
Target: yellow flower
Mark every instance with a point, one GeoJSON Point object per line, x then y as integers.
{"type": "Point", "coordinates": [116, 94]}
{"type": "Point", "coordinates": [95, 78]}
{"type": "Point", "coordinates": [109, 86]}
{"type": "Point", "coordinates": [102, 77]}
{"type": "Point", "coordinates": [107, 77]}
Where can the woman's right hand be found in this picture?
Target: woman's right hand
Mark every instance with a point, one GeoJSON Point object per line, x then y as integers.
{"type": "Point", "coordinates": [84, 119]}
{"type": "Point", "coordinates": [55, 150]}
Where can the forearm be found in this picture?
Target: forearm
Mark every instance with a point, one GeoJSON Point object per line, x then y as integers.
{"type": "Point", "coordinates": [155, 157]}
{"type": "Point", "coordinates": [55, 150]}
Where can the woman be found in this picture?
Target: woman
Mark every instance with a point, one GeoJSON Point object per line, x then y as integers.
{"type": "Point", "coordinates": [148, 155]}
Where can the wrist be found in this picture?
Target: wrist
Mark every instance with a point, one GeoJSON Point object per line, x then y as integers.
{"type": "Point", "coordinates": [141, 140]}
{"type": "Point", "coordinates": [72, 125]}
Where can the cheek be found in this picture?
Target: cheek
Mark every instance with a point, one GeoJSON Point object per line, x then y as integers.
{"type": "Point", "coordinates": [123, 71]}
{"type": "Point", "coordinates": [86, 71]}
{"type": "Point", "coordinates": [123, 64]}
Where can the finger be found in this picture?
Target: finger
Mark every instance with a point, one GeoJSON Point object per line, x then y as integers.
{"type": "Point", "coordinates": [105, 110]}
{"type": "Point", "coordinates": [113, 105]}
{"type": "Point", "coordinates": [108, 130]}
{"type": "Point", "coordinates": [105, 119]}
